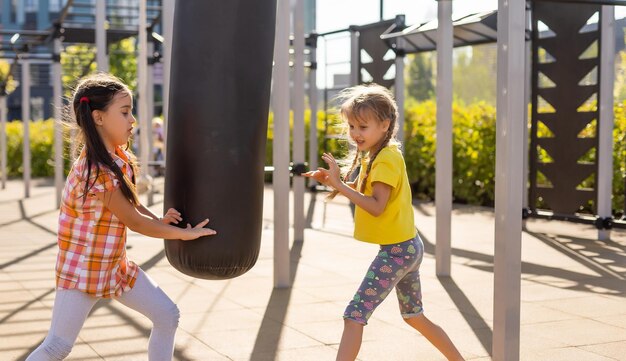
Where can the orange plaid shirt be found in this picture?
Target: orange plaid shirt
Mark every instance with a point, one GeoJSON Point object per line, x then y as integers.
{"type": "Point", "coordinates": [92, 241]}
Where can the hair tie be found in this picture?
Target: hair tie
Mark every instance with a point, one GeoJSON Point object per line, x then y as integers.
{"type": "Point", "coordinates": [84, 99]}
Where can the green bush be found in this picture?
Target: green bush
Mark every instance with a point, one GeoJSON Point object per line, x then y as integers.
{"type": "Point", "coordinates": [473, 151]}
{"type": "Point", "coordinates": [41, 148]}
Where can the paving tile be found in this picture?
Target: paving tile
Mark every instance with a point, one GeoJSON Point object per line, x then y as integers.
{"type": "Point", "coordinates": [615, 350]}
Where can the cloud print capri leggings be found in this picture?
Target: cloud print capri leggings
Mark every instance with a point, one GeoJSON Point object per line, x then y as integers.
{"type": "Point", "coordinates": [396, 265]}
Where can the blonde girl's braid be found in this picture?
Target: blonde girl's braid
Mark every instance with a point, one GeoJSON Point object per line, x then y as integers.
{"type": "Point", "coordinates": [369, 164]}
{"type": "Point", "coordinates": [346, 177]}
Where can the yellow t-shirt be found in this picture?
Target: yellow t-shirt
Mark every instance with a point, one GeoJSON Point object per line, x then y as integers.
{"type": "Point", "coordinates": [396, 223]}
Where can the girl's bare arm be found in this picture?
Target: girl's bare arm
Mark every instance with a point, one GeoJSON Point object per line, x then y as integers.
{"type": "Point", "coordinates": [128, 214]}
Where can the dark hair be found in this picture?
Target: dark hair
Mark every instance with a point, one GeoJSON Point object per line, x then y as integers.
{"type": "Point", "coordinates": [364, 102]}
{"type": "Point", "coordinates": [96, 92]}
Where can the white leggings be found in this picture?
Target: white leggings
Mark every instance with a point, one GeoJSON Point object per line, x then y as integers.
{"type": "Point", "coordinates": [71, 308]}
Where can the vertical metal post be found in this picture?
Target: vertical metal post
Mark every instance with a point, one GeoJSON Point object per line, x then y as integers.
{"type": "Point", "coordinates": [168, 8]}
{"type": "Point", "coordinates": [355, 56]}
{"type": "Point", "coordinates": [142, 96]}
{"type": "Point", "coordinates": [150, 112]}
{"type": "Point", "coordinates": [527, 100]}
{"type": "Point", "coordinates": [57, 93]}
{"type": "Point", "coordinates": [26, 124]}
{"type": "Point", "coordinates": [443, 152]}
{"type": "Point", "coordinates": [102, 58]}
{"type": "Point", "coordinates": [280, 178]}
{"type": "Point", "coordinates": [313, 100]}
{"type": "Point", "coordinates": [606, 121]}
{"type": "Point", "coordinates": [399, 93]}
{"type": "Point", "coordinates": [3, 139]}
{"type": "Point", "coordinates": [509, 175]}
{"type": "Point", "coordinates": [298, 118]}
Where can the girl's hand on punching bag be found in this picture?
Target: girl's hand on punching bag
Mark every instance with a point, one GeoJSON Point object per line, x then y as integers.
{"type": "Point", "coordinates": [198, 231]}
{"type": "Point", "coordinates": [172, 216]}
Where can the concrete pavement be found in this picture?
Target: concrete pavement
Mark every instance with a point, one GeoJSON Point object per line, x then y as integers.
{"type": "Point", "coordinates": [573, 292]}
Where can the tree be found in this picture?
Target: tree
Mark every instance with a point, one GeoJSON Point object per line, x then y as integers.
{"type": "Point", "coordinates": [420, 82]}
{"type": "Point", "coordinates": [474, 74]}
{"type": "Point", "coordinates": [80, 60]}
{"type": "Point", "coordinates": [7, 84]}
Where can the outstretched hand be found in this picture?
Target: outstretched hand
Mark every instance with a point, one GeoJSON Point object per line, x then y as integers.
{"type": "Point", "coordinates": [320, 175]}
{"type": "Point", "coordinates": [330, 176]}
{"type": "Point", "coordinates": [197, 231]}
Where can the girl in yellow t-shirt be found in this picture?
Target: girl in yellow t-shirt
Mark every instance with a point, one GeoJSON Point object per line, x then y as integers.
{"type": "Point", "coordinates": [384, 215]}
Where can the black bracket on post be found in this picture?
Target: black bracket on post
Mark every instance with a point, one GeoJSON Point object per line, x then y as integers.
{"type": "Point", "coordinates": [603, 222]}
{"type": "Point", "coordinates": [298, 168]}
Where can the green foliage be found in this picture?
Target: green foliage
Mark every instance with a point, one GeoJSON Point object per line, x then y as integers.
{"type": "Point", "coordinates": [474, 75]}
{"type": "Point", "coordinates": [80, 60]}
{"type": "Point", "coordinates": [41, 149]}
{"type": "Point", "coordinates": [420, 81]}
{"type": "Point", "coordinates": [7, 83]}
{"type": "Point", "coordinates": [123, 61]}
{"type": "Point", "coordinates": [473, 149]}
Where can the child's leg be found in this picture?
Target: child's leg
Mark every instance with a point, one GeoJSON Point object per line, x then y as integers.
{"type": "Point", "coordinates": [409, 291]}
{"type": "Point", "coordinates": [384, 273]}
{"type": "Point", "coordinates": [148, 299]}
{"type": "Point", "coordinates": [69, 313]}
{"type": "Point", "coordinates": [350, 341]}
{"type": "Point", "coordinates": [436, 335]}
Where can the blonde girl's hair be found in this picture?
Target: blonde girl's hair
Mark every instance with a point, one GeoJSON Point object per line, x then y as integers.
{"type": "Point", "coordinates": [96, 92]}
{"type": "Point", "coordinates": [362, 103]}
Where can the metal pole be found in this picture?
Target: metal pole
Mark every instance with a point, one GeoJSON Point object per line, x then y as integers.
{"type": "Point", "coordinates": [355, 56]}
{"type": "Point", "coordinates": [102, 58]}
{"type": "Point", "coordinates": [508, 178]}
{"type": "Point", "coordinates": [142, 96]}
{"type": "Point", "coordinates": [26, 124]}
{"type": "Point", "coordinates": [399, 93]}
{"type": "Point", "coordinates": [606, 121]}
{"type": "Point", "coordinates": [443, 152]}
{"type": "Point", "coordinates": [298, 118]}
{"type": "Point", "coordinates": [3, 139]}
{"type": "Point", "coordinates": [150, 114]}
{"type": "Point", "coordinates": [168, 9]}
{"type": "Point", "coordinates": [280, 179]}
{"type": "Point", "coordinates": [313, 148]}
{"type": "Point", "coordinates": [58, 114]}
{"type": "Point", "coordinates": [527, 100]}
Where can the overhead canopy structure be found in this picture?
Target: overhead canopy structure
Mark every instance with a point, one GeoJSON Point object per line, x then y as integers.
{"type": "Point", "coordinates": [472, 29]}
{"type": "Point", "coordinates": [76, 24]}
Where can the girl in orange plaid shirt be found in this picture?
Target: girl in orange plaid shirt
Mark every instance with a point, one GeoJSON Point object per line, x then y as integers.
{"type": "Point", "coordinates": [99, 202]}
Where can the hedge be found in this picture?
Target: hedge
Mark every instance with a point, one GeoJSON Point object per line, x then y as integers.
{"type": "Point", "coordinates": [473, 149]}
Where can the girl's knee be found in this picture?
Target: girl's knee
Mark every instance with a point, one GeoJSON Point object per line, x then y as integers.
{"type": "Point", "coordinates": [168, 319]}
{"type": "Point", "coordinates": [416, 321]}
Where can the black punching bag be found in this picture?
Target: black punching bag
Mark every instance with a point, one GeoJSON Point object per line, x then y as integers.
{"type": "Point", "coordinates": [221, 71]}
